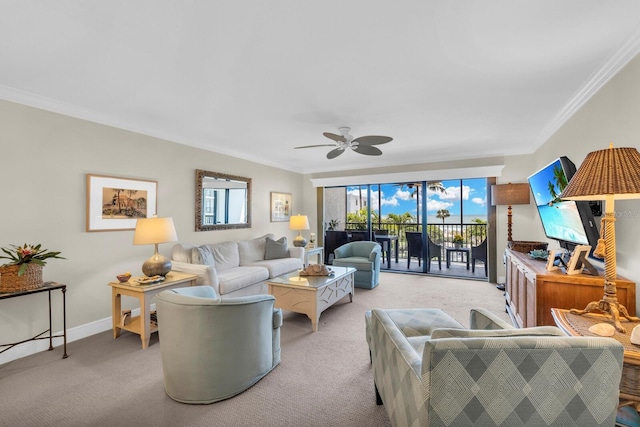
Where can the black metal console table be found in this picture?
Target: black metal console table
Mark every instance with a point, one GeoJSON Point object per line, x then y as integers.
{"type": "Point", "coordinates": [46, 287]}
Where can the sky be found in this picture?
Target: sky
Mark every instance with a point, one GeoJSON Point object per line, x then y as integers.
{"type": "Point", "coordinates": [398, 199]}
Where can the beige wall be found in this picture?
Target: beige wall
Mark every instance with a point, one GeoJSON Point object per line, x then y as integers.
{"type": "Point", "coordinates": [45, 159]}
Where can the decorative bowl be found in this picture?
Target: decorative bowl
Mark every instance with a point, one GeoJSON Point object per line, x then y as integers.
{"type": "Point", "coordinates": [123, 277]}
{"type": "Point", "coordinates": [539, 254]}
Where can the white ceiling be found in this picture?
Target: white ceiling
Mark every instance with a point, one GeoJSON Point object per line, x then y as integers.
{"type": "Point", "coordinates": [446, 79]}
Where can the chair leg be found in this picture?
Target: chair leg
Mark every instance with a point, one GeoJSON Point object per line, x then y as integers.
{"type": "Point", "coordinates": [378, 398]}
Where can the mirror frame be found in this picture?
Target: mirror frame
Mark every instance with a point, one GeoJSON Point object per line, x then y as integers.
{"type": "Point", "coordinates": [200, 174]}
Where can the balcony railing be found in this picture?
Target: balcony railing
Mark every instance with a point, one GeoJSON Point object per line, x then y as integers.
{"type": "Point", "coordinates": [442, 234]}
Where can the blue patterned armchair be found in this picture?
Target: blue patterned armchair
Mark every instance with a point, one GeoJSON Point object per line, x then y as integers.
{"type": "Point", "coordinates": [490, 374]}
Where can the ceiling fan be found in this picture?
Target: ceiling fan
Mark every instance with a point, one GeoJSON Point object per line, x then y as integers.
{"type": "Point", "coordinates": [362, 144]}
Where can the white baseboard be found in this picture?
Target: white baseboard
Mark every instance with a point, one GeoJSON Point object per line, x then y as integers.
{"type": "Point", "coordinates": [83, 331]}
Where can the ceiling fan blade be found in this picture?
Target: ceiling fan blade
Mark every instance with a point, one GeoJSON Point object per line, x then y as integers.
{"type": "Point", "coordinates": [368, 150]}
{"type": "Point", "coordinates": [318, 145]}
{"type": "Point", "coordinates": [373, 140]}
{"type": "Point", "coordinates": [337, 138]}
{"type": "Point", "coordinates": [335, 153]}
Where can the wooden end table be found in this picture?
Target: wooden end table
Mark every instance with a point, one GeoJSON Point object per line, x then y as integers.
{"type": "Point", "coordinates": [141, 324]}
{"type": "Point", "coordinates": [575, 325]}
{"type": "Point", "coordinates": [316, 250]}
{"type": "Point", "coordinates": [311, 295]}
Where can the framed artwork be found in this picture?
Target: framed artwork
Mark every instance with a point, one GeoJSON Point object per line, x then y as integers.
{"type": "Point", "coordinates": [280, 206]}
{"type": "Point", "coordinates": [116, 203]}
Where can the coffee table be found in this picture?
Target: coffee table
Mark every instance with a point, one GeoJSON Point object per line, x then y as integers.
{"type": "Point", "coordinates": [311, 295]}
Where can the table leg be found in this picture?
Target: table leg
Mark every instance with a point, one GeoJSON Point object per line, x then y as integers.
{"type": "Point", "coordinates": [389, 255]}
{"type": "Point", "coordinates": [50, 332]}
{"type": "Point", "coordinates": [64, 321]}
{"type": "Point", "coordinates": [396, 245]}
{"type": "Point", "coordinates": [145, 321]}
{"type": "Point", "coordinates": [448, 259]}
{"type": "Point", "coordinates": [116, 301]}
{"type": "Point", "coordinates": [467, 253]}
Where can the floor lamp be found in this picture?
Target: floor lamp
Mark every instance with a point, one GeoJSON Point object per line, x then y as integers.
{"type": "Point", "coordinates": [510, 194]}
{"type": "Point", "coordinates": [610, 174]}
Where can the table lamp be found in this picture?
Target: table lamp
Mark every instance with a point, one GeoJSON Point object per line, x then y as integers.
{"type": "Point", "coordinates": [510, 194]}
{"type": "Point", "coordinates": [153, 231]}
{"type": "Point", "coordinates": [610, 174]}
{"type": "Point", "coordinates": [299, 222]}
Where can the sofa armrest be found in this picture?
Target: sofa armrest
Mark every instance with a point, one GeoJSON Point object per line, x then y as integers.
{"type": "Point", "coordinates": [480, 318]}
{"type": "Point", "coordinates": [296, 252]}
{"type": "Point", "coordinates": [207, 275]}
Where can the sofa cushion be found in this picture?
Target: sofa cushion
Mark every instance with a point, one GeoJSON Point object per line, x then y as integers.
{"type": "Point", "coordinates": [225, 255]}
{"type": "Point", "coordinates": [202, 255]}
{"type": "Point", "coordinates": [280, 266]}
{"type": "Point", "coordinates": [252, 250]}
{"type": "Point", "coordinates": [240, 277]}
{"type": "Point", "coordinates": [276, 249]}
{"type": "Point", "coordinates": [359, 263]}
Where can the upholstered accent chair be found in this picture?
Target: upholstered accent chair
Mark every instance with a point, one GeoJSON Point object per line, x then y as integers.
{"type": "Point", "coordinates": [213, 349]}
{"type": "Point", "coordinates": [415, 248]}
{"type": "Point", "coordinates": [479, 253]}
{"type": "Point", "coordinates": [365, 258]}
{"type": "Point", "coordinates": [430, 371]}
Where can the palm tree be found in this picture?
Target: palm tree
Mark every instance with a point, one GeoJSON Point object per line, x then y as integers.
{"type": "Point", "coordinates": [443, 214]}
{"type": "Point", "coordinates": [416, 186]}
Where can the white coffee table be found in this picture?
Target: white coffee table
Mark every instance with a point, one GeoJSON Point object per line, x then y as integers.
{"type": "Point", "coordinates": [311, 295]}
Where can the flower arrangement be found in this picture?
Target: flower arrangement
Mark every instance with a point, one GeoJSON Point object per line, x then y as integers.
{"type": "Point", "coordinates": [457, 238]}
{"type": "Point", "coordinates": [28, 254]}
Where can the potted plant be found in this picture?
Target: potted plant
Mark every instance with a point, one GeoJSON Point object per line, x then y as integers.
{"type": "Point", "coordinates": [332, 224]}
{"type": "Point", "coordinates": [24, 271]}
{"type": "Point", "coordinates": [458, 240]}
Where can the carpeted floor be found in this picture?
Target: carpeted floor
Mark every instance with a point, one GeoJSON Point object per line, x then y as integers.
{"type": "Point", "coordinates": [324, 379]}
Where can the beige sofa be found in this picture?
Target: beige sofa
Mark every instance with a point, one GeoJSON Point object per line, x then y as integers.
{"type": "Point", "coordinates": [237, 268]}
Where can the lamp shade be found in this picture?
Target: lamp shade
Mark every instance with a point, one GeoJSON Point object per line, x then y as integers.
{"type": "Point", "coordinates": [299, 222]}
{"type": "Point", "coordinates": [510, 194]}
{"type": "Point", "coordinates": [609, 173]}
{"type": "Point", "coordinates": [154, 230]}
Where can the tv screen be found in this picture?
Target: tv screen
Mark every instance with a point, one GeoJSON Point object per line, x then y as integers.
{"type": "Point", "coordinates": [569, 222]}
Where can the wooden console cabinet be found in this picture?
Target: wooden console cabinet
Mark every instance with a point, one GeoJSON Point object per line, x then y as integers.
{"type": "Point", "coordinates": [531, 291]}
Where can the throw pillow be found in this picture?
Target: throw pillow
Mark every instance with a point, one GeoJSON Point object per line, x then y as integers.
{"type": "Point", "coordinates": [275, 249]}
{"type": "Point", "coordinates": [202, 255]}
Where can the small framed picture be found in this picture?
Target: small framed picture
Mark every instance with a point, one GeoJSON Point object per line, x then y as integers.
{"type": "Point", "coordinates": [117, 203]}
{"type": "Point", "coordinates": [280, 206]}
{"type": "Point", "coordinates": [578, 259]}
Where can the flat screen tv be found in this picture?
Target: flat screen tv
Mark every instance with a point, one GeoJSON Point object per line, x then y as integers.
{"type": "Point", "coordinates": [569, 222]}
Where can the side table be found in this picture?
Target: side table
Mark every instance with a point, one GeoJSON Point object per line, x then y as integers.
{"type": "Point", "coordinates": [46, 287]}
{"type": "Point", "coordinates": [578, 325]}
{"type": "Point", "coordinates": [318, 250]}
{"type": "Point", "coordinates": [141, 325]}
{"type": "Point", "coordinates": [464, 251]}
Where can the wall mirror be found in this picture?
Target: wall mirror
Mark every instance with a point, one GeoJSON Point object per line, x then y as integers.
{"type": "Point", "coordinates": [222, 201]}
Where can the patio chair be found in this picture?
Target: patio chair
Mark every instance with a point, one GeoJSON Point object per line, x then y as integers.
{"type": "Point", "coordinates": [415, 248]}
{"type": "Point", "coordinates": [359, 236]}
{"type": "Point", "coordinates": [479, 253]}
{"type": "Point", "coordinates": [332, 240]}
{"type": "Point", "coordinates": [384, 245]}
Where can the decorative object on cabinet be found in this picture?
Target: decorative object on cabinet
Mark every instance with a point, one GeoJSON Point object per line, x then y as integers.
{"type": "Point", "coordinates": [531, 290]}
{"type": "Point", "coordinates": [153, 231]}
{"type": "Point", "coordinates": [510, 194]}
{"type": "Point", "coordinates": [116, 203]}
{"type": "Point", "coordinates": [24, 271]}
{"type": "Point", "coordinates": [280, 206]}
{"type": "Point", "coordinates": [299, 223]}
{"type": "Point", "coordinates": [222, 201]}
{"type": "Point", "coordinates": [608, 174]}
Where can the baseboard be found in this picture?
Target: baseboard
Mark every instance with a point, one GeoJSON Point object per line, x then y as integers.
{"type": "Point", "coordinates": [73, 334]}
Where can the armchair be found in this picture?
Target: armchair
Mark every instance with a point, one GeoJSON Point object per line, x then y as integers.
{"type": "Point", "coordinates": [365, 258]}
{"type": "Point", "coordinates": [491, 374]}
{"type": "Point", "coordinates": [213, 349]}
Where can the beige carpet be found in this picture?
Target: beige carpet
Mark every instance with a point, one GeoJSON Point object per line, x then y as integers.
{"type": "Point", "coordinates": [325, 378]}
